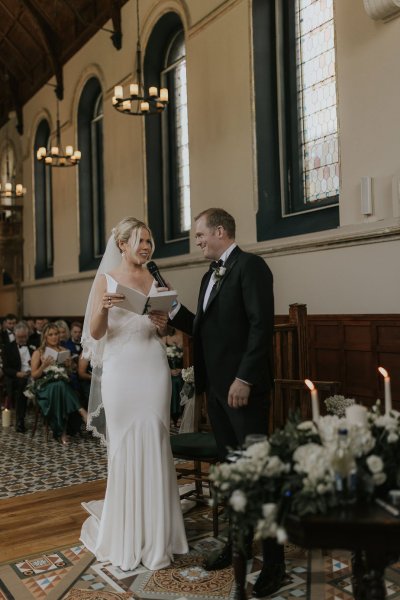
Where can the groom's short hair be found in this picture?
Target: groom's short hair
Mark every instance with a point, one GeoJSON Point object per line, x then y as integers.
{"type": "Point", "coordinates": [218, 217]}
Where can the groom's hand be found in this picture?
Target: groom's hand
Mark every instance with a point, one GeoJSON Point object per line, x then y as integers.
{"type": "Point", "coordinates": [239, 393]}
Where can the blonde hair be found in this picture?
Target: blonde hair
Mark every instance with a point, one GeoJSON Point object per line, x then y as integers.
{"type": "Point", "coordinates": [61, 324]}
{"type": "Point", "coordinates": [128, 226]}
{"type": "Point", "coordinates": [48, 327]}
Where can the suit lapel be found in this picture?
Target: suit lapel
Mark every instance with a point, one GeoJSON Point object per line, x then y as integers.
{"type": "Point", "coordinates": [230, 263]}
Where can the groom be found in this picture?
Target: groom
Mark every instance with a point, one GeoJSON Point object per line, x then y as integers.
{"type": "Point", "coordinates": [232, 336]}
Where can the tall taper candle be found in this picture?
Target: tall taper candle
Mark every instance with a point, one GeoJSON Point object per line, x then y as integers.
{"type": "Point", "coordinates": [314, 400]}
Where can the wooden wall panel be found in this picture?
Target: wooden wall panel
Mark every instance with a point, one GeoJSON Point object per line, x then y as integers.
{"type": "Point", "coordinates": [350, 348]}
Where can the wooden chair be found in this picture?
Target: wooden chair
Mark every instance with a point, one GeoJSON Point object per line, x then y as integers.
{"type": "Point", "coordinates": [292, 368]}
{"type": "Point", "coordinates": [38, 413]}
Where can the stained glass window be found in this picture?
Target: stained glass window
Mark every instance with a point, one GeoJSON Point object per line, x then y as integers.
{"type": "Point", "coordinates": [316, 82]}
{"type": "Point", "coordinates": [174, 76]}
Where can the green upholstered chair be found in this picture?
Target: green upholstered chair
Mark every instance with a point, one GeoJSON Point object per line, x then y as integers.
{"type": "Point", "coordinates": [200, 449]}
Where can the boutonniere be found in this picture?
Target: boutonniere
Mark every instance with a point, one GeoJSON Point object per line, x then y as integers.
{"type": "Point", "coordinates": [219, 272]}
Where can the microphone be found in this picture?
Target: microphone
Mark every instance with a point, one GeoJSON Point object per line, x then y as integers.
{"type": "Point", "coordinates": [153, 269]}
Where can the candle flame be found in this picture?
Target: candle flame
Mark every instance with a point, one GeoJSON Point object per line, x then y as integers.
{"type": "Point", "coordinates": [383, 372]}
{"type": "Point", "coordinates": [309, 384]}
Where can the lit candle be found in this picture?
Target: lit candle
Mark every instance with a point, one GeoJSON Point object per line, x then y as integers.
{"type": "Point", "coordinates": [48, 160]}
{"type": "Point", "coordinates": [388, 393]}
{"type": "Point", "coordinates": [114, 101]}
{"type": "Point", "coordinates": [164, 94]}
{"type": "Point", "coordinates": [134, 89]}
{"type": "Point", "coordinates": [69, 150]}
{"type": "Point", "coordinates": [314, 400]}
{"type": "Point", "coordinates": [153, 91]}
{"type": "Point", "coordinates": [6, 417]}
{"type": "Point", "coordinates": [54, 150]}
{"type": "Point", "coordinates": [41, 152]}
{"type": "Point", "coordinates": [119, 91]}
{"type": "Point", "coordinates": [356, 414]}
{"type": "Point", "coordinates": [77, 155]}
{"type": "Point", "coordinates": [19, 189]}
{"type": "Point", "coordinates": [144, 106]}
{"type": "Point", "coordinates": [126, 105]}
{"type": "Point", "coordinates": [8, 187]}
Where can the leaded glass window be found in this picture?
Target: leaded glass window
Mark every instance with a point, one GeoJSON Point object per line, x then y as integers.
{"type": "Point", "coordinates": [315, 50]}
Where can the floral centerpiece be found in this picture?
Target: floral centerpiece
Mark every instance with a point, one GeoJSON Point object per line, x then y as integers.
{"type": "Point", "coordinates": [187, 400]}
{"type": "Point", "coordinates": [50, 373]}
{"type": "Point", "coordinates": [307, 468]}
{"type": "Point", "coordinates": [175, 356]}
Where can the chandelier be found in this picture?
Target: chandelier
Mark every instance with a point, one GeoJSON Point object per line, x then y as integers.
{"type": "Point", "coordinates": [9, 190]}
{"type": "Point", "coordinates": [57, 156]}
{"type": "Point", "coordinates": [138, 102]}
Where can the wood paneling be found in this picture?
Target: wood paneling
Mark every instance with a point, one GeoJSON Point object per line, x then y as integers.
{"type": "Point", "coordinates": [350, 348]}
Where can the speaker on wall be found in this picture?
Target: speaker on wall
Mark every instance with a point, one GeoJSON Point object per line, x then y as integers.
{"type": "Point", "coordinates": [366, 196]}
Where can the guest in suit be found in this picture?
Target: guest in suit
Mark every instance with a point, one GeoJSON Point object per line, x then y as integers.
{"type": "Point", "coordinates": [36, 337]}
{"type": "Point", "coordinates": [7, 329]}
{"type": "Point", "coordinates": [232, 336]}
{"type": "Point", "coordinates": [17, 369]}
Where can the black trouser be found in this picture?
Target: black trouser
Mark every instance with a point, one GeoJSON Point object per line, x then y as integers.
{"type": "Point", "coordinates": [230, 427]}
{"type": "Point", "coordinates": [15, 391]}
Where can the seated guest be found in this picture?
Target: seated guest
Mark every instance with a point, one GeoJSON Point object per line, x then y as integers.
{"type": "Point", "coordinates": [57, 399]}
{"type": "Point", "coordinates": [85, 378]}
{"type": "Point", "coordinates": [76, 334]}
{"type": "Point", "coordinates": [17, 369]}
{"type": "Point", "coordinates": [7, 329]}
{"type": "Point", "coordinates": [65, 336]}
{"type": "Point", "coordinates": [35, 337]}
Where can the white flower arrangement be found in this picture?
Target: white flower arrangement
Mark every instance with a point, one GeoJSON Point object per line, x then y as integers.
{"type": "Point", "coordinates": [188, 374]}
{"type": "Point", "coordinates": [337, 404]}
{"type": "Point", "coordinates": [174, 355]}
{"type": "Point", "coordinates": [306, 468]}
{"type": "Point", "coordinates": [50, 373]}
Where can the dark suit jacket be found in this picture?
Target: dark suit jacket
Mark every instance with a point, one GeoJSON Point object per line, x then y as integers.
{"type": "Point", "coordinates": [233, 336]}
{"type": "Point", "coordinates": [11, 364]}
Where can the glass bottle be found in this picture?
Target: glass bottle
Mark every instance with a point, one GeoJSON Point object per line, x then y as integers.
{"type": "Point", "coordinates": [345, 469]}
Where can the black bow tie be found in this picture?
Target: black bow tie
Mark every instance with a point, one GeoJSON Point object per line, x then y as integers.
{"type": "Point", "coordinates": [22, 345]}
{"type": "Point", "coordinates": [216, 264]}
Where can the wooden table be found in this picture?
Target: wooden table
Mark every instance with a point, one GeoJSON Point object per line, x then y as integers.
{"type": "Point", "coordinates": [368, 531]}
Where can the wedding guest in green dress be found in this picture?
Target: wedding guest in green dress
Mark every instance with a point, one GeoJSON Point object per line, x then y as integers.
{"type": "Point", "coordinates": [57, 399]}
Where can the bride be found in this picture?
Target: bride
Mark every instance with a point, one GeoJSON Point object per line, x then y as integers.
{"type": "Point", "coordinates": [140, 519]}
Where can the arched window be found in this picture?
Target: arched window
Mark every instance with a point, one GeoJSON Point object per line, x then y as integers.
{"type": "Point", "coordinates": [43, 207]}
{"type": "Point", "coordinates": [167, 140]}
{"type": "Point", "coordinates": [296, 119]}
{"type": "Point", "coordinates": [91, 180]}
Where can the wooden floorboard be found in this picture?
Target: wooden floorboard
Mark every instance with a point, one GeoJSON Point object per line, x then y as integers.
{"type": "Point", "coordinates": [44, 520]}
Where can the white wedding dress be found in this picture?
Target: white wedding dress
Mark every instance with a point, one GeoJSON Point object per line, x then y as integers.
{"type": "Point", "coordinates": [140, 519]}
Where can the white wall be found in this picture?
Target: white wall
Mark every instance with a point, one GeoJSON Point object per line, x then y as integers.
{"type": "Point", "coordinates": [349, 270]}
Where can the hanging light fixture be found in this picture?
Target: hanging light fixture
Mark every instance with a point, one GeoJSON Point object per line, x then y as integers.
{"type": "Point", "coordinates": [9, 190]}
{"type": "Point", "coordinates": [57, 156]}
{"type": "Point", "coordinates": [138, 102]}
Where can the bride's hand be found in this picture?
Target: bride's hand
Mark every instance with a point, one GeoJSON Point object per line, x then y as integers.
{"type": "Point", "coordinates": [160, 320]}
{"type": "Point", "coordinates": [165, 288]}
{"type": "Point", "coordinates": [110, 299]}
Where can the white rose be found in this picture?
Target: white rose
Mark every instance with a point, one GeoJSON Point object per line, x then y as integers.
{"type": "Point", "coordinates": [379, 478]}
{"type": "Point", "coordinates": [274, 466]}
{"type": "Point", "coordinates": [281, 535]}
{"type": "Point", "coordinates": [268, 510]}
{"type": "Point", "coordinates": [375, 463]}
{"type": "Point", "coordinates": [392, 438]}
{"type": "Point", "coordinates": [238, 501]}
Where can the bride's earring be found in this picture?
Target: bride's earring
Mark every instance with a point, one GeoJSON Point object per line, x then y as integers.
{"type": "Point", "coordinates": [124, 253]}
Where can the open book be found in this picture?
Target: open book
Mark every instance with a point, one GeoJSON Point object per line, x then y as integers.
{"type": "Point", "coordinates": [138, 303]}
{"type": "Point", "coordinates": [59, 357]}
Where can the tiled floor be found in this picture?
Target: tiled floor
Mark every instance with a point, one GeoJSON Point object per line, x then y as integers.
{"type": "Point", "coordinates": [31, 465]}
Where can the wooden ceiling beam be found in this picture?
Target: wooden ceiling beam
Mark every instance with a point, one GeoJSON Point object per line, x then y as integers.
{"type": "Point", "coordinates": [115, 11]}
{"type": "Point", "coordinates": [51, 42]}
